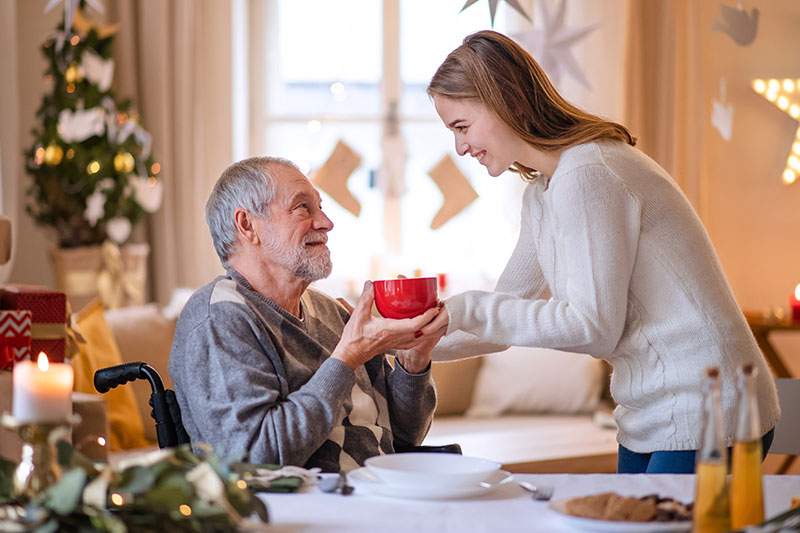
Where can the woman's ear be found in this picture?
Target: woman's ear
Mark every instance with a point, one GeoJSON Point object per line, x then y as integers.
{"type": "Point", "coordinates": [245, 227]}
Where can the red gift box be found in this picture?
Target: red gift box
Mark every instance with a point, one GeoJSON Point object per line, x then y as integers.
{"type": "Point", "coordinates": [48, 317]}
{"type": "Point", "coordinates": [15, 337]}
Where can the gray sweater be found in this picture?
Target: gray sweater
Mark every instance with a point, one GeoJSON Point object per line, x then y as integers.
{"type": "Point", "coordinates": [258, 384]}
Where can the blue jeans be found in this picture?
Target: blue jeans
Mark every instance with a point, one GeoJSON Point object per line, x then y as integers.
{"type": "Point", "coordinates": [680, 462]}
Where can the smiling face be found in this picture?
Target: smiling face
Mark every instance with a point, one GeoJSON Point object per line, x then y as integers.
{"type": "Point", "coordinates": [295, 234]}
{"type": "Point", "coordinates": [479, 132]}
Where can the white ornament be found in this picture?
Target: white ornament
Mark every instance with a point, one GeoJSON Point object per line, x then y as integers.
{"type": "Point", "coordinates": [722, 113]}
{"type": "Point", "coordinates": [77, 126]}
{"type": "Point", "coordinates": [98, 70]}
{"type": "Point", "coordinates": [95, 207]}
{"type": "Point", "coordinates": [118, 229]}
{"type": "Point", "coordinates": [147, 192]}
{"type": "Point", "coordinates": [551, 45]}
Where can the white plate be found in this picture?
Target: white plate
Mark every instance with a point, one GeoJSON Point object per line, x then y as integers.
{"type": "Point", "coordinates": [366, 482]}
{"type": "Point", "coordinates": [591, 524]}
{"type": "Point", "coordinates": [431, 469]}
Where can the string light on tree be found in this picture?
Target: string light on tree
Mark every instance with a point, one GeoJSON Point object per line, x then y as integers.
{"type": "Point", "coordinates": [785, 94]}
{"type": "Point", "coordinates": [93, 167]}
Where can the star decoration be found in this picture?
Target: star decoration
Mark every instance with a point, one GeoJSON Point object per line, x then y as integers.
{"type": "Point", "coordinates": [84, 25]}
{"type": "Point", "coordinates": [785, 94]}
{"type": "Point", "coordinates": [552, 45]}
{"type": "Point", "coordinates": [493, 8]}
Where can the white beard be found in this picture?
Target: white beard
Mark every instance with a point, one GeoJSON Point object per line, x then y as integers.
{"type": "Point", "coordinates": [310, 264]}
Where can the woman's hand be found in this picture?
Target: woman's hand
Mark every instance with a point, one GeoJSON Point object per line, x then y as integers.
{"type": "Point", "coordinates": [365, 336]}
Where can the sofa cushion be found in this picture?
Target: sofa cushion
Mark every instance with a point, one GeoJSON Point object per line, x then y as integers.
{"type": "Point", "coordinates": [100, 351]}
{"type": "Point", "coordinates": [455, 382]}
{"type": "Point", "coordinates": [537, 380]}
{"type": "Point", "coordinates": [143, 334]}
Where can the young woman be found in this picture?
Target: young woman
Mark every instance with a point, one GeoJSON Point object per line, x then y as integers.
{"type": "Point", "coordinates": [631, 273]}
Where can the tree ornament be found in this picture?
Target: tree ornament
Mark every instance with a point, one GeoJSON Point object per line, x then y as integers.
{"type": "Point", "coordinates": [53, 154]}
{"type": "Point", "coordinates": [124, 162]}
{"type": "Point", "coordinates": [73, 74]}
{"type": "Point", "coordinates": [93, 167]}
{"type": "Point", "coordinates": [118, 229]}
{"type": "Point", "coordinates": [38, 156]}
{"type": "Point", "coordinates": [77, 126]}
{"type": "Point", "coordinates": [98, 70]}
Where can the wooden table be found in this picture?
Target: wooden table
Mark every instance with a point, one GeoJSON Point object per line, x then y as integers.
{"type": "Point", "coordinates": [761, 327]}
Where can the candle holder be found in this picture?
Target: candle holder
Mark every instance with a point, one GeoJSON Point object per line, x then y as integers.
{"type": "Point", "coordinates": [38, 467]}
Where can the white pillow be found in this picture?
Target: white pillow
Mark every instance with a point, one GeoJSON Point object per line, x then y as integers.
{"type": "Point", "coordinates": [537, 380]}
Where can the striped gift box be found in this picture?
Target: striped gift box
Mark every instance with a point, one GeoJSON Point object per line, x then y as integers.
{"type": "Point", "coordinates": [15, 337]}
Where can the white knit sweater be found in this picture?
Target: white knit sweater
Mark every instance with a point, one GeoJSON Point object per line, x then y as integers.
{"type": "Point", "coordinates": [634, 280]}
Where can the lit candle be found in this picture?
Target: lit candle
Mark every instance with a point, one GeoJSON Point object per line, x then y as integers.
{"type": "Point", "coordinates": [42, 391]}
{"type": "Point", "coordinates": [794, 304]}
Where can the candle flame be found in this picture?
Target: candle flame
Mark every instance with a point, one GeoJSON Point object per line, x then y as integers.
{"type": "Point", "coordinates": [44, 364]}
{"type": "Point", "coordinates": [797, 291]}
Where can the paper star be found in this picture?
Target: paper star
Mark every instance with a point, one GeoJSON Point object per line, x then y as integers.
{"type": "Point", "coordinates": [493, 8]}
{"type": "Point", "coordinates": [722, 113]}
{"type": "Point", "coordinates": [784, 94]}
{"type": "Point", "coordinates": [552, 45]}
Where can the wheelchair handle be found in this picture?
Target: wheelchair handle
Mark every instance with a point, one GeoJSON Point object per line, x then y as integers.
{"type": "Point", "coordinates": [106, 379]}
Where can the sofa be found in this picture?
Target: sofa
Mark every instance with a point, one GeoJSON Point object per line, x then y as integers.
{"type": "Point", "coordinates": [521, 441]}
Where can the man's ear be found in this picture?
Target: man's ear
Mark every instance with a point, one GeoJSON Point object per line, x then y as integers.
{"type": "Point", "coordinates": [245, 228]}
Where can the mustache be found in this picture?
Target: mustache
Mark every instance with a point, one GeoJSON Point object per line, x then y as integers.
{"type": "Point", "coordinates": [316, 238]}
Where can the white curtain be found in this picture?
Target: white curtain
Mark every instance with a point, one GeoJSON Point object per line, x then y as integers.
{"type": "Point", "coordinates": [175, 60]}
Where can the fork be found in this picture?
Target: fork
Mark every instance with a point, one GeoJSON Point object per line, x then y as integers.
{"type": "Point", "coordinates": [540, 493]}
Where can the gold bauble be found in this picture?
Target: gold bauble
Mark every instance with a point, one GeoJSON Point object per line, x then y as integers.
{"type": "Point", "coordinates": [124, 162]}
{"type": "Point", "coordinates": [53, 154]}
{"type": "Point", "coordinates": [72, 74]}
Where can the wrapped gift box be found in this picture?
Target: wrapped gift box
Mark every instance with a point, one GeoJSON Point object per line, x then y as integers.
{"type": "Point", "coordinates": [15, 337]}
{"type": "Point", "coordinates": [48, 317]}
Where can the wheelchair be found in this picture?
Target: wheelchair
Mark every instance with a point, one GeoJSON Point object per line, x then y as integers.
{"type": "Point", "coordinates": [166, 413]}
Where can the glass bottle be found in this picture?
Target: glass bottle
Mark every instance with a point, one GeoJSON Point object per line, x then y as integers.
{"type": "Point", "coordinates": [747, 495]}
{"type": "Point", "coordinates": [711, 503]}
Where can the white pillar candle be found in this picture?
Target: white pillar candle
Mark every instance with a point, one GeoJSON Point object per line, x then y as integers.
{"type": "Point", "coordinates": [42, 391]}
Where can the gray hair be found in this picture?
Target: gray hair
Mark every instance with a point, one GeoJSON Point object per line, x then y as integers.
{"type": "Point", "coordinates": [248, 184]}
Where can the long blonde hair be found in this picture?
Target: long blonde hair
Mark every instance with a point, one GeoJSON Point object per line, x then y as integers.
{"type": "Point", "coordinates": [497, 71]}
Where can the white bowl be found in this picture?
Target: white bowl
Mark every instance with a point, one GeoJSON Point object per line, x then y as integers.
{"type": "Point", "coordinates": [431, 469]}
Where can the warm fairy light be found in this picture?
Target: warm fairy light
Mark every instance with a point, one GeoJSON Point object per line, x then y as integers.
{"type": "Point", "coordinates": [155, 168]}
{"type": "Point", "coordinates": [74, 40]}
{"type": "Point", "coordinates": [242, 484]}
{"type": "Point", "coordinates": [70, 88]}
{"type": "Point", "coordinates": [101, 441]}
{"type": "Point", "coordinates": [117, 499]}
{"type": "Point", "coordinates": [38, 155]}
{"type": "Point", "coordinates": [42, 362]}
{"type": "Point", "coordinates": [93, 167]}
{"type": "Point", "coordinates": [70, 153]}
{"type": "Point", "coordinates": [785, 94]}
{"type": "Point", "coordinates": [185, 510]}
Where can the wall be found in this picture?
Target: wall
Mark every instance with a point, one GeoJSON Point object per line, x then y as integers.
{"type": "Point", "coordinates": [753, 219]}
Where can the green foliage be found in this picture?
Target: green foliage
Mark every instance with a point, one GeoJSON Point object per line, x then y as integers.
{"type": "Point", "coordinates": [160, 495]}
{"type": "Point", "coordinates": [61, 182]}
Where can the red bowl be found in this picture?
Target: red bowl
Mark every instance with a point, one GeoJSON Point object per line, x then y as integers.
{"type": "Point", "coordinates": [404, 297]}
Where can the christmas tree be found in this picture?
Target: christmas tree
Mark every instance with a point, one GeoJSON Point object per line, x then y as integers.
{"type": "Point", "coordinates": [93, 173]}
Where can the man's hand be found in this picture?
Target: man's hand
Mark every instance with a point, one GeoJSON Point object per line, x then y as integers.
{"type": "Point", "coordinates": [365, 336]}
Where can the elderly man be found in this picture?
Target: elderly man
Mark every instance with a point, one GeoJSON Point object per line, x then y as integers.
{"type": "Point", "coordinates": [267, 369]}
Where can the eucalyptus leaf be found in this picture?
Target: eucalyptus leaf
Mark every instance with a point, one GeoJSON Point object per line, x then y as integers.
{"type": "Point", "coordinates": [63, 497]}
{"type": "Point", "coordinates": [136, 480]}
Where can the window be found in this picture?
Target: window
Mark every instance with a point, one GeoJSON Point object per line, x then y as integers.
{"type": "Point", "coordinates": [334, 70]}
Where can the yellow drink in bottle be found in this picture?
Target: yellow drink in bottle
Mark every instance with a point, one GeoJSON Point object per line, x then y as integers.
{"type": "Point", "coordinates": [711, 506]}
{"type": "Point", "coordinates": [747, 499]}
